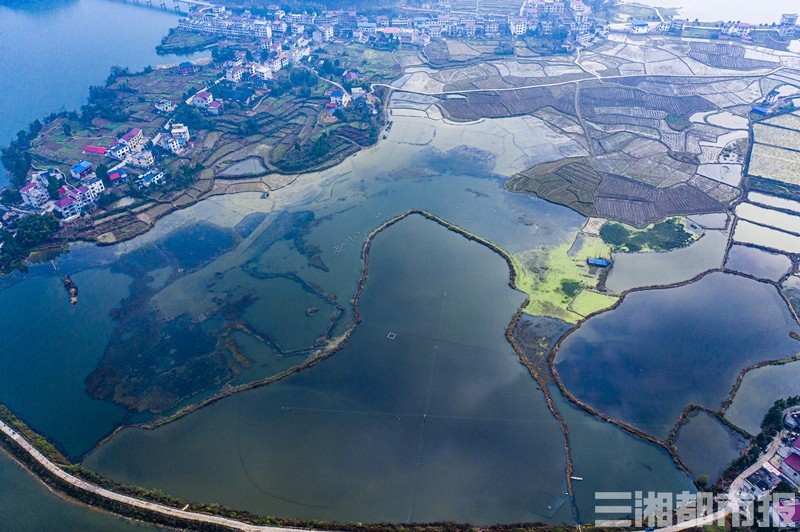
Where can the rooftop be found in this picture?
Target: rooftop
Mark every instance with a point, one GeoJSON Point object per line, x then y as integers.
{"type": "Point", "coordinates": [793, 461]}
{"type": "Point", "coordinates": [132, 133]}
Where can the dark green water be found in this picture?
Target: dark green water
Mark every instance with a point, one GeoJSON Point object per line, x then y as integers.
{"type": "Point", "coordinates": [661, 350]}
{"type": "Point", "coordinates": [708, 447]}
{"type": "Point", "coordinates": [440, 423]}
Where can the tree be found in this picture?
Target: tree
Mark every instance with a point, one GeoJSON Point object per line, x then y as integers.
{"type": "Point", "coordinates": [53, 185]}
{"type": "Point", "coordinates": [102, 173]}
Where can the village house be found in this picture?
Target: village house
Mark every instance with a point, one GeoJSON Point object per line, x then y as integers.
{"type": "Point", "coordinates": [235, 74]}
{"type": "Point", "coordinates": [67, 207]}
{"type": "Point", "coordinates": [326, 30]}
{"type": "Point", "coordinates": [790, 468]}
{"type": "Point", "coordinates": [180, 132]}
{"type": "Point", "coordinates": [81, 170]}
{"type": "Point", "coordinates": [186, 68]}
{"type": "Point", "coordinates": [142, 159]}
{"type": "Point", "coordinates": [34, 194]}
{"type": "Point", "coordinates": [95, 187]}
{"type": "Point", "coordinates": [134, 139]}
{"type": "Point", "coordinates": [262, 72]}
{"type": "Point", "coordinates": [118, 177]}
{"type": "Point", "coordinates": [518, 25]}
{"type": "Point", "coordinates": [170, 143]}
{"type": "Point", "coordinates": [786, 513]}
{"type": "Point", "coordinates": [165, 106]}
{"type": "Point", "coordinates": [215, 108]}
{"type": "Point", "coordinates": [340, 98]}
{"type": "Point", "coordinates": [152, 177]}
{"type": "Point", "coordinates": [203, 99]}
{"type": "Point", "coordinates": [119, 151]}
{"type": "Point", "coordinates": [73, 201]}
{"type": "Point", "coordinates": [761, 483]}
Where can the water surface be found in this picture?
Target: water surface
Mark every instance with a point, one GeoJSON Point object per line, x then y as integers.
{"type": "Point", "coordinates": [438, 422]}
{"type": "Point", "coordinates": [759, 391]}
{"type": "Point", "coordinates": [41, 43]}
{"type": "Point", "coordinates": [26, 504]}
{"type": "Point", "coordinates": [661, 350]}
{"type": "Point", "coordinates": [707, 447]}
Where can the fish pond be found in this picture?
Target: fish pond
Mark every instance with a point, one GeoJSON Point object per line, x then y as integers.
{"type": "Point", "coordinates": [662, 350]}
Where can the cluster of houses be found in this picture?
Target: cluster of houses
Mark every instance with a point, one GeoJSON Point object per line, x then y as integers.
{"type": "Point", "coordinates": [784, 512]}
{"type": "Point", "coordinates": [288, 30]}
{"type": "Point", "coordinates": [78, 192]}
{"type": "Point", "coordinates": [74, 196]}
{"type": "Point", "coordinates": [787, 27]}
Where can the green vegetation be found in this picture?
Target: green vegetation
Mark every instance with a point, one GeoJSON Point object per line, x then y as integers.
{"type": "Point", "coordinates": [664, 236]}
{"type": "Point", "coordinates": [559, 282]}
{"type": "Point", "coordinates": [32, 231]}
{"type": "Point", "coordinates": [678, 123]}
{"type": "Point", "coordinates": [180, 41]}
{"type": "Point", "coordinates": [15, 156]}
{"type": "Point", "coordinates": [104, 103]}
{"type": "Point", "coordinates": [44, 446]}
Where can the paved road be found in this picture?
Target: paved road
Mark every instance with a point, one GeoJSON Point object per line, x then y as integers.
{"type": "Point", "coordinates": [131, 501]}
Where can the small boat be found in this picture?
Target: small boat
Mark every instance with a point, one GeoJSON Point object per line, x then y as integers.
{"type": "Point", "coordinates": [576, 478]}
{"type": "Point", "coordinates": [71, 289]}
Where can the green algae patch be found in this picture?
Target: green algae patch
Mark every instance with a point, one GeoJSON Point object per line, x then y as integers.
{"type": "Point", "coordinates": [559, 282]}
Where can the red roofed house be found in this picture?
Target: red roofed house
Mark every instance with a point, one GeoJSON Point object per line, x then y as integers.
{"type": "Point", "coordinates": [118, 177]}
{"type": "Point", "coordinates": [203, 99]}
{"type": "Point", "coordinates": [215, 107]}
{"type": "Point", "coordinates": [97, 150]}
{"type": "Point", "coordinates": [786, 513]}
{"type": "Point", "coordinates": [134, 139]}
{"type": "Point", "coordinates": [34, 194]}
{"type": "Point", "coordinates": [67, 207]}
{"type": "Point", "coordinates": [790, 468]}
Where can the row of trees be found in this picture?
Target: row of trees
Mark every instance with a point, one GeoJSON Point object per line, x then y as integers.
{"type": "Point", "coordinates": [32, 231]}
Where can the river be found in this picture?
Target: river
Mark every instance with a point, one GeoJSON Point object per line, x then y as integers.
{"type": "Point", "coordinates": [57, 49]}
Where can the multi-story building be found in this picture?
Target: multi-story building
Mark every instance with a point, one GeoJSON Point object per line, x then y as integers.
{"type": "Point", "coordinates": [517, 25]}
{"type": "Point", "coordinates": [34, 194]}
{"type": "Point", "coordinates": [134, 139]}
{"type": "Point", "coordinates": [202, 99]}
{"type": "Point", "coordinates": [95, 187]}
{"type": "Point", "coordinates": [235, 74]}
{"type": "Point", "coordinates": [180, 132]}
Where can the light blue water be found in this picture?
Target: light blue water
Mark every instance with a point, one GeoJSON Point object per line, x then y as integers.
{"type": "Point", "coordinates": [51, 52]}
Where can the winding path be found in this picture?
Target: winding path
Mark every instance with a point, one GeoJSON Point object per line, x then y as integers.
{"type": "Point", "coordinates": [127, 500]}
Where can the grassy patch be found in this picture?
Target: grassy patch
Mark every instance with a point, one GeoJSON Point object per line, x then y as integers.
{"type": "Point", "coordinates": [663, 236]}
{"type": "Point", "coordinates": [589, 302]}
{"type": "Point", "coordinates": [678, 123]}
{"type": "Point", "coordinates": [557, 278]}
